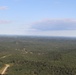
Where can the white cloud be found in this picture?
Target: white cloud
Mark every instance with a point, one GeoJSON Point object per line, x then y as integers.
{"type": "Point", "coordinates": [53, 27]}
{"type": "Point", "coordinates": [50, 27]}
{"type": "Point", "coordinates": [5, 21]}
{"type": "Point", "coordinates": [3, 7]}
{"type": "Point", "coordinates": [55, 24]}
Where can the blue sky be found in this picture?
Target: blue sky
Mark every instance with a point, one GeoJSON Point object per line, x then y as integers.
{"type": "Point", "coordinates": [38, 17]}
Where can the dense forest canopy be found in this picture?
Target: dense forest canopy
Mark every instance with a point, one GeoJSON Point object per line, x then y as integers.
{"type": "Point", "coordinates": [38, 55]}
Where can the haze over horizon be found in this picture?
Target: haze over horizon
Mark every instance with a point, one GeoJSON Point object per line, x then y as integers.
{"type": "Point", "coordinates": [38, 17]}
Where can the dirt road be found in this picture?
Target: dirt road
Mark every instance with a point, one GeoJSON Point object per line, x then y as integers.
{"type": "Point", "coordinates": [5, 69]}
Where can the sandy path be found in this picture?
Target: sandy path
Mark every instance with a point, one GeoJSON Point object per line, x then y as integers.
{"type": "Point", "coordinates": [5, 56]}
{"type": "Point", "coordinates": [5, 69]}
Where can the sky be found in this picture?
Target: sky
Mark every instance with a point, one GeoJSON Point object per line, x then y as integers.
{"type": "Point", "coordinates": [38, 17]}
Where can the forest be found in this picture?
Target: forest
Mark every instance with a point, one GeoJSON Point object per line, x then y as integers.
{"type": "Point", "coordinates": [30, 55]}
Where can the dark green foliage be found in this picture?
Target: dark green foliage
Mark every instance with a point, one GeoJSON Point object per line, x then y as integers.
{"type": "Point", "coordinates": [38, 55]}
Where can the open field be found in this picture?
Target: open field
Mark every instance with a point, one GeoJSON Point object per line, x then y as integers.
{"type": "Point", "coordinates": [37, 55]}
